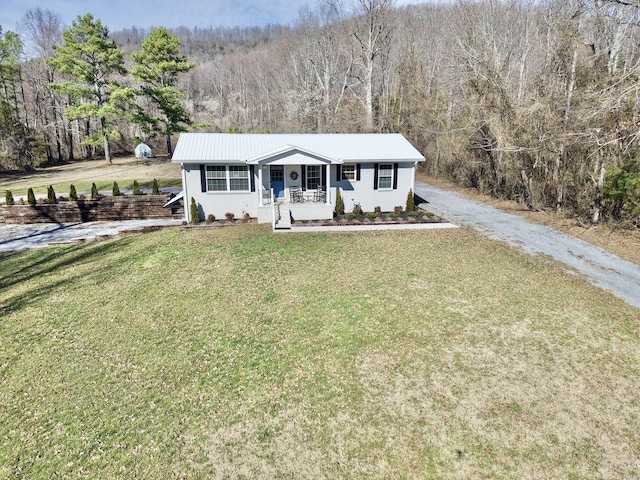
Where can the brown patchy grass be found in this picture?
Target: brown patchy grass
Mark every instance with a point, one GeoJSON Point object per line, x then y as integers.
{"type": "Point", "coordinates": [236, 353]}
{"type": "Point", "coordinates": [621, 242]}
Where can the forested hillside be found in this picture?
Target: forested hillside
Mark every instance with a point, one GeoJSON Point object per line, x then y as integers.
{"type": "Point", "coordinates": [534, 101]}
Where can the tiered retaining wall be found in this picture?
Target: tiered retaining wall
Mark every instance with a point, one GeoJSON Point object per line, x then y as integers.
{"type": "Point", "coordinates": [130, 207]}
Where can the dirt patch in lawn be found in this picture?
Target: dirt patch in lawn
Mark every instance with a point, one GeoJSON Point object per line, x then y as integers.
{"type": "Point", "coordinates": [623, 243]}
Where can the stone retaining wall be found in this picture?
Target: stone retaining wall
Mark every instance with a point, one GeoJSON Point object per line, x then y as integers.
{"type": "Point", "coordinates": [129, 207]}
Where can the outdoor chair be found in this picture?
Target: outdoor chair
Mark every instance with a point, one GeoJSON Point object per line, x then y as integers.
{"type": "Point", "coordinates": [296, 195]}
{"type": "Point", "coordinates": [320, 195]}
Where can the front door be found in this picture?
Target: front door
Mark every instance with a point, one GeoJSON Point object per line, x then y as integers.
{"type": "Point", "coordinates": [277, 180]}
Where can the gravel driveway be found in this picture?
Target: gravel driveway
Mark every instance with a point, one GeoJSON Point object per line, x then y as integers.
{"type": "Point", "coordinates": [603, 269]}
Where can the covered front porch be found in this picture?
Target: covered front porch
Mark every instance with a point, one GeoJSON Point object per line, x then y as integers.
{"type": "Point", "coordinates": [294, 185]}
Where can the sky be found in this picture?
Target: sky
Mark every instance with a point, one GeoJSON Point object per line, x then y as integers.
{"type": "Point", "coordinates": [120, 14]}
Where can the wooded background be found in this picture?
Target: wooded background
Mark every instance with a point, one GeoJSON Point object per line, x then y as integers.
{"type": "Point", "coordinates": [536, 101]}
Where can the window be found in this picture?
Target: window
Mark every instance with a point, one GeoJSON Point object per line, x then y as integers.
{"type": "Point", "coordinates": [385, 175]}
{"type": "Point", "coordinates": [216, 178]}
{"type": "Point", "coordinates": [223, 178]}
{"type": "Point", "coordinates": [314, 175]}
{"type": "Point", "coordinates": [348, 172]}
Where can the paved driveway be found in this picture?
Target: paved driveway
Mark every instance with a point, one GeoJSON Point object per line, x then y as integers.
{"type": "Point", "coordinates": [603, 269]}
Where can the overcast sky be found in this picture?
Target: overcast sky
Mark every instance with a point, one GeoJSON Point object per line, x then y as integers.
{"type": "Point", "coordinates": [119, 14]}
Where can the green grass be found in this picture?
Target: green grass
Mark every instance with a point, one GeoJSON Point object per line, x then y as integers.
{"type": "Point", "coordinates": [85, 187]}
{"type": "Point", "coordinates": [237, 353]}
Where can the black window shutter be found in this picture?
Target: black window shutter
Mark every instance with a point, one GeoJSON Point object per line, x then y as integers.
{"type": "Point", "coordinates": [323, 176]}
{"type": "Point", "coordinates": [395, 176]}
{"type": "Point", "coordinates": [303, 174]}
{"type": "Point", "coordinates": [203, 178]}
{"type": "Point", "coordinates": [375, 176]}
{"type": "Point", "coordinates": [252, 174]}
{"type": "Point", "coordinates": [338, 173]}
{"type": "Point", "coordinates": [358, 172]}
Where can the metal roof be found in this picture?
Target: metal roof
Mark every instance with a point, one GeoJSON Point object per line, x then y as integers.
{"type": "Point", "coordinates": [345, 147]}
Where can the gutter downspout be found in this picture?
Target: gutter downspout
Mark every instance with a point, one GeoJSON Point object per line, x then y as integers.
{"type": "Point", "coordinates": [187, 200]}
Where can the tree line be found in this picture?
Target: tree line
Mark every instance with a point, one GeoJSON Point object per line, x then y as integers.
{"type": "Point", "coordinates": [535, 101]}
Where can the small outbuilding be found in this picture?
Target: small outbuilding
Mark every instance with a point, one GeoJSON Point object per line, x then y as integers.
{"type": "Point", "coordinates": [144, 151]}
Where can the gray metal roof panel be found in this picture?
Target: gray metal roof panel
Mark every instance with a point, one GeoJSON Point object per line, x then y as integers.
{"type": "Point", "coordinates": [232, 147]}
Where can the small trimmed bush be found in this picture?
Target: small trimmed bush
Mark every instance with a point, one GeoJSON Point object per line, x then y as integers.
{"type": "Point", "coordinates": [377, 209]}
{"type": "Point", "coordinates": [246, 217]}
{"type": "Point", "coordinates": [116, 190]}
{"type": "Point", "coordinates": [51, 195]}
{"type": "Point", "coordinates": [411, 206]}
{"type": "Point", "coordinates": [31, 198]}
{"type": "Point", "coordinates": [94, 191]}
{"type": "Point", "coordinates": [8, 198]}
{"type": "Point", "coordinates": [350, 216]}
{"type": "Point", "coordinates": [371, 215]}
{"type": "Point", "coordinates": [357, 210]}
{"type": "Point", "coordinates": [136, 188]}
{"type": "Point", "coordinates": [73, 195]}
{"type": "Point", "coordinates": [229, 216]}
{"type": "Point", "coordinates": [339, 203]}
{"type": "Point", "coordinates": [211, 218]}
{"type": "Point", "coordinates": [155, 190]}
{"type": "Point", "coordinates": [397, 209]}
{"type": "Point", "coordinates": [194, 215]}
{"type": "Point", "coordinates": [413, 213]}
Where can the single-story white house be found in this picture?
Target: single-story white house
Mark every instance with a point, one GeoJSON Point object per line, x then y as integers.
{"type": "Point", "coordinates": [282, 177]}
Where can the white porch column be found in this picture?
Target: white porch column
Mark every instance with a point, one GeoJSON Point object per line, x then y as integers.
{"type": "Point", "coordinates": [328, 185]}
{"type": "Point", "coordinates": [260, 184]}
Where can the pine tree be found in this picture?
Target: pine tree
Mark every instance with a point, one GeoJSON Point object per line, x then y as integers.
{"type": "Point", "coordinates": [410, 207]}
{"type": "Point", "coordinates": [73, 195]}
{"type": "Point", "coordinates": [51, 195]}
{"type": "Point", "coordinates": [193, 210]}
{"type": "Point", "coordinates": [136, 188]}
{"type": "Point", "coordinates": [339, 203]}
{"type": "Point", "coordinates": [88, 58]}
{"type": "Point", "coordinates": [156, 66]}
{"type": "Point", "coordinates": [155, 190]}
{"type": "Point", "coordinates": [94, 191]}
{"type": "Point", "coordinates": [116, 189]}
{"type": "Point", "coordinates": [31, 198]}
{"type": "Point", "coordinates": [8, 198]}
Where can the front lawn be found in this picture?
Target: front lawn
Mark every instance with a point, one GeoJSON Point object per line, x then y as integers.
{"type": "Point", "coordinates": [237, 353]}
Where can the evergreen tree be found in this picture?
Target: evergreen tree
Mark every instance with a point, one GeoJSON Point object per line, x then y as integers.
{"type": "Point", "coordinates": [73, 195]}
{"type": "Point", "coordinates": [51, 195]}
{"type": "Point", "coordinates": [94, 191]}
{"type": "Point", "coordinates": [155, 190]}
{"type": "Point", "coordinates": [193, 211]}
{"type": "Point", "coordinates": [136, 188]}
{"type": "Point", "coordinates": [8, 198]}
{"type": "Point", "coordinates": [116, 189]}
{"type": "Point", "coordinates": [339, 203]}
{"type": "Point", "coordinates": [156, 66]}
{"type": "Point", "coordinates": [410, 206]}
{"type": "Point", "coordinates": [31, 198]}
{"type": "Point", "coordinates": [88, 58]}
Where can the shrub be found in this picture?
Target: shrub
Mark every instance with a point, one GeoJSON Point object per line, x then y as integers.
{"type": "Point", "coordinates": [411, 205]}
{"type": "Point", "coordinates": [136, 188]}
{"type": "Point", "coordinates": [51, 195]}
{"type": "Point", "coordinates": [73, 195]}
{"type": "Point", "coordinates": [371, 215]}
{"type": "Point", "coordinates": [413, 213]}
{"type": "Point", "coordinates": [229, 216]}
{"type": "Point", "coordinates": [31, 198]}
{"type": "Point", "coordinates": [61, 199]}
{"type": "Point", "coordinates": [193, 210]}
{"type": "Point", "coordinates": [357, 210]}
{"type": "Point", "coordinates": [339, 203]}
{"type": "Point", "coordinates": [350, 216]}
{"type": "Point", "coordinates": [246, 217]}
{"type": "Point", "coordinates": [211, 218]}
{"type": "Point", "coordinates": [8, 198]}
{"type": "Point", "coordinates": [116, 190]}
{"type": "Point", "coordinates": [94, 191]}
{"type": "Point", "coordinates": [397, 209]}
{"type": "Point", "coordinates": [377, 209]}
{"type": "Point", "coordinates": [155, 190]}
{"type": "Point", "coordinates": [82, 197]}
{"type": "Point", "coordinates": [392, 215]}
